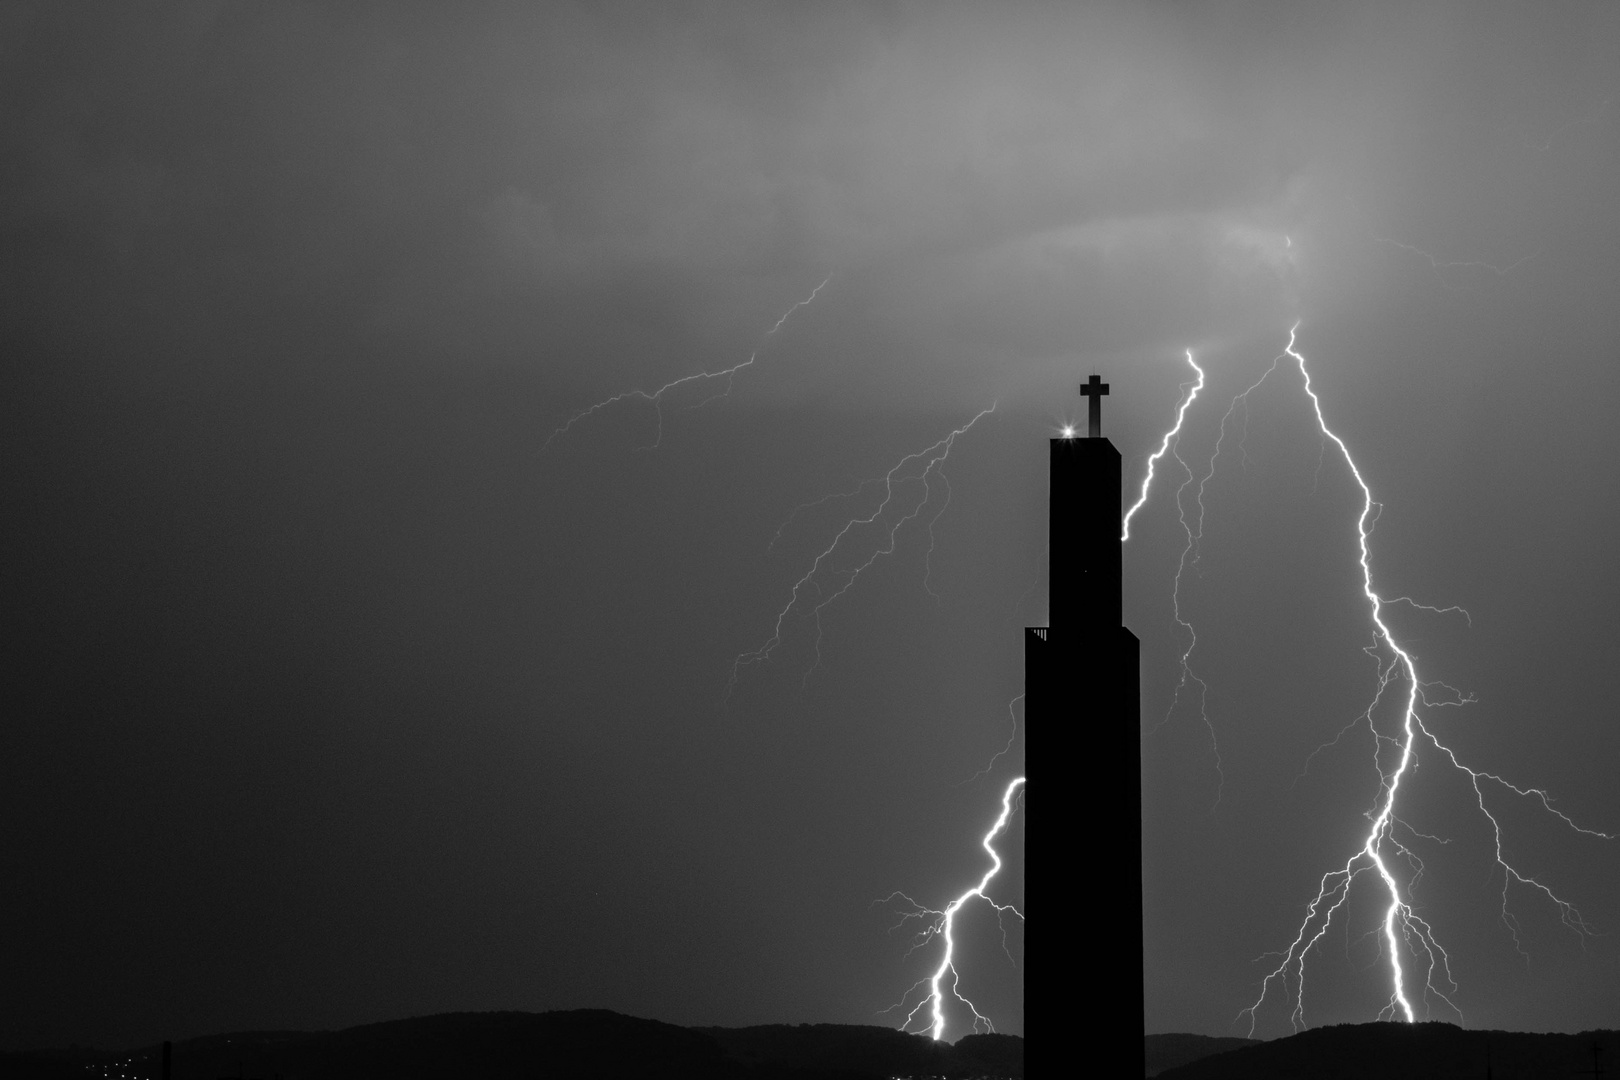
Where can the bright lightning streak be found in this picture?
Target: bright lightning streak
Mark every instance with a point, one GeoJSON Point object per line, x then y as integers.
{"type": "Point", "coordinates": [1164, 445]}
{"type": "Point", "coordinates": [824, 583]}
{"type": "Point", "coordinates": [1401, 926]}
{"type": "Point", "coordinates": [656, 397]}
{"type": "Point", "coordinates": [942, 924]}
{"type": "Point", "coordinates": [1172, 443]}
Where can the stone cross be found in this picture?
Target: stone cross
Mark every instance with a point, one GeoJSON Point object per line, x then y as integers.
{"type": "Point", "coordinates": [1094, 389]}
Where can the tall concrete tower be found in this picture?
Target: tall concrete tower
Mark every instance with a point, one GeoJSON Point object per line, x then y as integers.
{"type": "Point", "coordinates": [1082, 674]}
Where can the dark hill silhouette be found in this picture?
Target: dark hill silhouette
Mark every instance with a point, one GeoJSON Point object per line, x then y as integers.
{"type": "Point", "coordinates": [1167, 1051]}
{"type": "Point", "coordinates": [41, 1065]}
{"type": "Point", "coordinates": [1388, 1051]}
{"type": "Point", "coordinates": [589, 1044]}
{"type": "Point", "coordinates": [583, 1043]}
{"type": "Point", "coordinates": [999, 1055]}
{"type": "Point", "coordinates": [848, 1048]}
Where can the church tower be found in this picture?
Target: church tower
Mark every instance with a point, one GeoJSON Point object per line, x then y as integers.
{"type": "Point", "coordinates": [1082, 676]}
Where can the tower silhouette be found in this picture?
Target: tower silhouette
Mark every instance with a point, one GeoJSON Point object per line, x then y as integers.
{"type": "Point", "coordinates": [1082, 672]}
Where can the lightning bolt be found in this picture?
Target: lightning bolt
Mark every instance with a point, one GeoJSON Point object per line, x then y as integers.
{"type": "Point", "coordinates": [1190, 552]}
{"type": "Point", "coordinates": [1171, 443]}
{"type": "Point", "coordinates": [1189, 392]}
{"type": "Point", "coordinates": [1012, 737]}
{"type": "Point", "coordinates": [824, 582]}
{"type": "Point", "coordinates": [941, 923]}
{"type": "Point", "coordinates": [655, 398]}
{"type": "Point", "coordinates": [1403, 931]}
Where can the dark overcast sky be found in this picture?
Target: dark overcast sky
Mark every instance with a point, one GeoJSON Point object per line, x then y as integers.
{"type": "Point", "coordinates": [333, 694]}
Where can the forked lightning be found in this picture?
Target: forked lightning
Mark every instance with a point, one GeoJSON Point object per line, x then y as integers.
{"type": "Point", "coordinates": [1407, 938]}
{"type": "Point", "coordinates": [1171, 443]}
{"type": "Point", "coordinates": [824, 582]}
{"type": "Point", "coordinates": [942, 924]}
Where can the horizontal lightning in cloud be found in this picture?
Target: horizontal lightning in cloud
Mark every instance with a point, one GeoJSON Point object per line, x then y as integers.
{"type": "Point", "coordinates": [1453, 609]}
{"type": "Point", "coordinates": [1440, 266]}
{"type": "Point", "coordinates": [655, 398]}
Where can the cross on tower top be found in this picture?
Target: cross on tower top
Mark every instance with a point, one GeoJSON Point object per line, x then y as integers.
{"type": "Point", "coordinates": [1093, 389]}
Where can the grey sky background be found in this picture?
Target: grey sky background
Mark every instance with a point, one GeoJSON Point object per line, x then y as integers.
{"type": "Point", "coordinates": [337, 694]}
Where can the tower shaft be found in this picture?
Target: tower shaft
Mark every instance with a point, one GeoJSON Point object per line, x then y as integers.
{"type": "Point", "coordinates": [1082, 675]}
